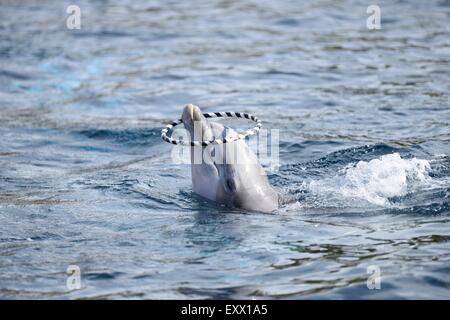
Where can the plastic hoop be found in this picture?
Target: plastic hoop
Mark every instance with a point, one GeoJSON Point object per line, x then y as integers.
{"type": "Point", "coordinates": [249, 132]}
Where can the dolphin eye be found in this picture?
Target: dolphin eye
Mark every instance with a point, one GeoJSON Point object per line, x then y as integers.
{"type": "Point", "coordinates": [230, 185]}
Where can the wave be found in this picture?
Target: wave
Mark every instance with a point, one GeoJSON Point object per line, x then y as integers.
{"type": "Point", "coordinates": [393, 182]}
{"type": "Point", "coordinates": [137, 136]}
{"type": "Point", "coordinates": [377, 180]}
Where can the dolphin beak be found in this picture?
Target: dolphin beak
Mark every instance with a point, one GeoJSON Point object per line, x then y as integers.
{"type": "Point", "coordinates": [192, 114]}
{"type": "Point", "coordinates": [188, 114]}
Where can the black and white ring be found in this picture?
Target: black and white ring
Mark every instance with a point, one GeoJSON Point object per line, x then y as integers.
{"type": "Point", "coordinates": [214, 141]}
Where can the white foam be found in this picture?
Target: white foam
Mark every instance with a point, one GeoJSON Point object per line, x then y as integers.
{"type": "Point", "coordinates": [373, 182]}
{"type": "Point", "coordinates": [380, 179]}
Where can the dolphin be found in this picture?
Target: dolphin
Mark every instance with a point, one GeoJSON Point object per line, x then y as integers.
{"type": "Point", "coordinates": [227, 173]}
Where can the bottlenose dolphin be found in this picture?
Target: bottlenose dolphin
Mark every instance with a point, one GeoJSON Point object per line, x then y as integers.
{"type": "Point", "coordinates": [227, 173]}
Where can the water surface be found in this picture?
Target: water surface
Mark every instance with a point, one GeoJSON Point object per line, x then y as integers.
{"type": "Point", "coordinates": [364, 124]}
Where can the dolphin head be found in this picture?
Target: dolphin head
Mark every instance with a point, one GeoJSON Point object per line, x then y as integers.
{"type": "Point", "coordinates": [226, 173]}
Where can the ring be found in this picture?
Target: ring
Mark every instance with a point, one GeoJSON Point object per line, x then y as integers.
{"type": "Point", "coordinates": [247, 133]}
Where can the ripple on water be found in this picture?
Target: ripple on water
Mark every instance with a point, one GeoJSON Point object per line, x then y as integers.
{"type": "Point", "coordinates": [364, 149]}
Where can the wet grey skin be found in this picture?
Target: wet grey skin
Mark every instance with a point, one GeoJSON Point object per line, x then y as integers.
{"type": "Point", "coordinates": [227, 173]}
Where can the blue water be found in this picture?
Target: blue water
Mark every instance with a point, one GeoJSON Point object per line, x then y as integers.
{"type": "Point", "coordinates": [364, 122]}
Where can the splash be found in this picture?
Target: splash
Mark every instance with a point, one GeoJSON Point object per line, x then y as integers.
{"type": "Point", "coordinates": [374, 182]}
{"type": "Point", "coordinates": [380, 179]}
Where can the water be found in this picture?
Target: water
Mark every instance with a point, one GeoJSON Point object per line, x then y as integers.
{"type": "Point", "coordinates": [364, 124]}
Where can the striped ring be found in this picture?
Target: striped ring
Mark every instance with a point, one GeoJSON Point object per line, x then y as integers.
{"type": "Point", "coordinates": [247, 133]}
